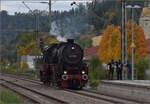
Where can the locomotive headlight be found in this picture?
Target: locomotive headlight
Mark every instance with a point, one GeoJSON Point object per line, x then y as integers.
{"type": "Point", "coordinates": [83, 72]}
{"type": "Point", "coordinates": [65, 72]}
{"type": "Point", "coordinates": [73, 48]}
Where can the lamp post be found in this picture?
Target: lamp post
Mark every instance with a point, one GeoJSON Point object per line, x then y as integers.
{"type": "Point", "coordinates": [132, 7]}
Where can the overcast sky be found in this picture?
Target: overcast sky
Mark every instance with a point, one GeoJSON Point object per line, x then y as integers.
{"type": "Point", "coordinates": [18, 6]}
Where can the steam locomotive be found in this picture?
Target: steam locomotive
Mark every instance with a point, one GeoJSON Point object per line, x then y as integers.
{"type": "Point", "coordinates": [63, 65]}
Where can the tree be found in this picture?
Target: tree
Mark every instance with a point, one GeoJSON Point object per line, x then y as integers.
{"type": "Point", "coordinates": [27, 43]}
{"type": "Point", "coordinates": [110, 45]}
{"type": "Point", "coordinates": [141, 67]}
{"type": "Point", "coordinates": [53, 40]}
{"type": "Point", "coordinates": [26, 38]}
{"type": "Point", "coordinates": [21, 51]}
{"type": "Point", "coordinates": [24, 65]}
{"type": "Point", "coordinates": [85, 41]}
{"type": "Point", "coordinates": [96, 69]}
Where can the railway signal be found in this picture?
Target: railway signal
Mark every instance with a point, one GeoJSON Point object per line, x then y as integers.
{"type": "Point", "coordinates": [41, 43]}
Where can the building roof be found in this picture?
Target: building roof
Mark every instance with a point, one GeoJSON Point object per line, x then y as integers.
{"type": "Point", "coordinates": [146, 12]}
{"type": "Point", "coordinates": [88, 53]}
{"type": "Point", "coordinates": [148, 44]}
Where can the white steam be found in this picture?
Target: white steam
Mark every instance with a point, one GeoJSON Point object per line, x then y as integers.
{"type": "Point", "coordinates": [55, 31]}
{"type": "Point", "coordinates": [62, 39]}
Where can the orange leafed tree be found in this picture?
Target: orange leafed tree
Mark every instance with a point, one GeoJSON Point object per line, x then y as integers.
{"type": "Point", "coordinates": [110, 45]}
{"type": "Point", "coordinates": [24, 65]}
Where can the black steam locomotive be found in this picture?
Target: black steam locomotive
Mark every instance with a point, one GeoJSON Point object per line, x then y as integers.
{"type": "Point", "coordinates": [63, 65]}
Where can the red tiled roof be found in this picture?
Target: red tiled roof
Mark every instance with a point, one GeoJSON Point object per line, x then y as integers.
{"type": "Point", "coordinates": [148, 44]}
{"type": "Point", "coordinates": [88, 53]}
{"type": "Point", "coordinates": [91, 51]}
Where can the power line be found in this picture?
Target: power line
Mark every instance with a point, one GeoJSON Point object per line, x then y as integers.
{"type": "Point", "coordinates": [16, 30]}
{"type": "Point", "coordinates": [47, 0]}
{"type": "Point", "coordinates": [78, 0]}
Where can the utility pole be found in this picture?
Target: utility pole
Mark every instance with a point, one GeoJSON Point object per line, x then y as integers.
{"type": "Point", "coordinates": [125, 34]}
{"type": "Point", "coordinates": [0, 20]}
{"type": "Point", "coordinates": [123, 37]}
{"type": "Point", "coordinates": [36, 36]}
{"type": "Point", "coordinates": [50, 16]}
{"type": "Point", "coordinates": [132, 7]}
{"type": "Point", "coordinates": [132, 42]}
{"type": "Point", "coordinates": [36, 30]}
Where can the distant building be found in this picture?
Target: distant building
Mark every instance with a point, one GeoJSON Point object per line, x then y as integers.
{"type": "Point", "coordinates": [145, 22]}
{"type": "Point", "coordinates": [93, 51]}
{"type": "Point", "coordinates": [90, 52]}
{"type": "Point", "coordinates": [29, 60]}
{"type": "Point", "coordinates": [96, 40]}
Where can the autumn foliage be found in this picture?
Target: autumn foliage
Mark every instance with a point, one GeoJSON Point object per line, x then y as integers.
{"type": "Point", "coordinates": [29, 49]}
{"type": "Point", "coordinates": [24, 65]}
{"type": "Point", "coordinates": [53, 40]}
{"type": "Point", "coordinates": [110, 45]}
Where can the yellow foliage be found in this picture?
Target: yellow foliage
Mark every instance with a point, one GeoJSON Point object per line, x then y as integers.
{"type": "Point", "coordinates": [110, 45]}
{"type": "Point", "coordinates": [30, 48]}
{"type": "Point", "coordinates": [27, 50]}
{"type": "Point", "coordinates": [24, 65]}
{"type": "Point", "coordinates": [53, 40]}
{"type": "Point", "coordinates": [9, 62]}
{"type": "Point", "coordinates": [21, 51]}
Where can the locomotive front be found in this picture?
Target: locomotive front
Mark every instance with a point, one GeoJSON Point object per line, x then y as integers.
{"type": "Point", "coordinates": [74, 71]}
{"type": "Point", "coordinates": [64, 66]}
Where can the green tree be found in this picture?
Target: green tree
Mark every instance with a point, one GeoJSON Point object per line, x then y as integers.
{"type": "Point", "coordinates": [96, 69]}
{"type": "Point", "coordinates": [141, 66]}
{"type": "Point", "coordinates": [85, 41]}
{"type": "Point", "coordinates": [26, 38]}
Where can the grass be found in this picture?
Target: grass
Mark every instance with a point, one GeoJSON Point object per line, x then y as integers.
{"type": "Point", "coordinates": [9, 97]}
{"type": "Point", "coordinates": [93, 83]}
{"type": "Point", "coordinates": [26, 72]}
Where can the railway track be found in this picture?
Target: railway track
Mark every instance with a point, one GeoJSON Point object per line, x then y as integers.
{"type": "Point", "coordinates": [34, 95]}
{"type": "Point", "coordinates": [22, 77]}
{"type": "Point", "coordinates": [88, 94]}
{"type": "Point", "coordinates": [97, 96]}
{"type": "Point", "coordinates": [3, 84]}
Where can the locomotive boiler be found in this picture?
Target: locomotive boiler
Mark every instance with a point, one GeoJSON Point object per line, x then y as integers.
{"type": "Point", "coordinates": [63, 65]}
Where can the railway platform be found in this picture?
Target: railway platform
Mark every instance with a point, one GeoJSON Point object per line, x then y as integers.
{"type": "Point", "coordinates": [137, 90]}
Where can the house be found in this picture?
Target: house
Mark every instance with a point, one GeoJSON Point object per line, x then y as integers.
{"type": "Point", "coordinates": [93, 51]}
{"type": "Point", "coordinates": [96, 40]}
{"type": "Point", "coordinates": [90, 52]}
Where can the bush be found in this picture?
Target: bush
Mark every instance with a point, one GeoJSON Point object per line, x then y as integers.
{"type": "Point", "coordinates": [96, 69]}
{"type": "Point", "coordinates": [141, 66]}
{"type": "Point", "coordinates": [94, 83]}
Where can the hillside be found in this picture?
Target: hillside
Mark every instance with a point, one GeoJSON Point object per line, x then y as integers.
{"type": "Point", "coordinates": [72, 23]}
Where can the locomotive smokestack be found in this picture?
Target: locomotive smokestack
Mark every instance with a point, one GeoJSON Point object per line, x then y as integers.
{"type": "Point", "coordinates": [70, 40]}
